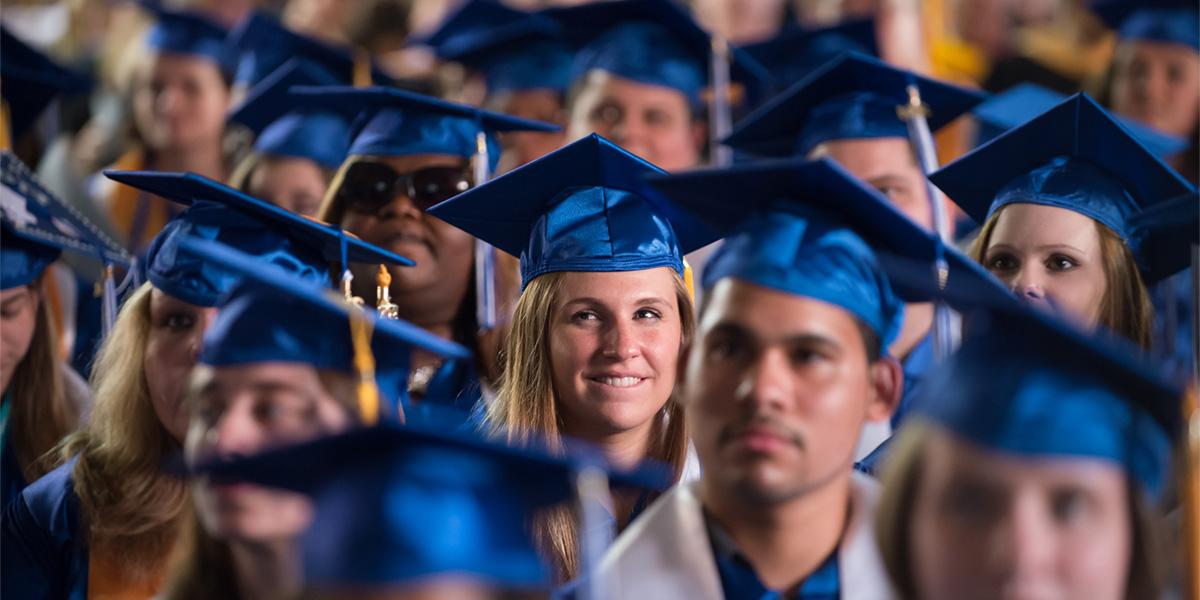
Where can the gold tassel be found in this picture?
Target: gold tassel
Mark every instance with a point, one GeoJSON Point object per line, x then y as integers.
{"type": "Point", "coordinates": [689, 280]}
{"type": "Point", "coordinates": [5, 139]}
{"type": "Point", "coordinates": [383, 299]}
{"type": "Point", "coordinates": [362, 68]}
{"type": "Point", "coordinates": [364, 366]}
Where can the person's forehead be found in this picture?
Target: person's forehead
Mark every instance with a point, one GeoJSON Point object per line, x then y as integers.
{"type": "Point", "coordinates": [265, 374]}
{"type": "Point", "coordinates": [611, 87]}
{"type": "Point", "coordinates": [771, 314]}
{"type": "Point", "coordinates": [869, 158]}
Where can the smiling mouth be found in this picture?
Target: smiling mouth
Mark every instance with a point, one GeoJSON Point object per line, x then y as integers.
{"type": "Point", "coordinates": [618, 382]}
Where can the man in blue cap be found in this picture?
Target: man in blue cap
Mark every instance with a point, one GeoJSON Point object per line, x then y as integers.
{"type": "Point", "coordinates": [788, 363]}
{"type": "Point", "coordinates": [852, 110]}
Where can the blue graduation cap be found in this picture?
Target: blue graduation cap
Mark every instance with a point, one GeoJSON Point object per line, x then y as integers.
{"type": "Point", "coordinates": [649, 41]}
{"type": "Point", "coordinates": [851, 97]}
{"type": "Point", "coordinates": [284, 127]}
{"type": "Point", "coordinates": [260, 44]}
{"type": "Point", "coordinates": [1024, 101]}
{"type": "Point", "coordinates": [471, 18]}
{"type": "Point", "coordinates": [525, 54]}
{"type": "Point", "coordinates": [37, 227]}
{"type": "Point", "coordinates": [1026, 384]}
{"type": "Point", "coordinates": [579, 208]}
{"type": "Point", "coordinates": [1073, 156]}
{"type": "Point", "coordinates": [392, 122]}
{"type": "Point", "coordinates": [797, 51]}
{"type": "Point", "coordinates": [186, 32]}
{"type": "Point", "coordinates": [810, 228]}
{"type": "Point", "coordinates": [1172, 21]}
{"type": "Point", "coordinates": [29, 81]}
{"type": "Point", "coordinates": [395, 505]}
{"type": "Point", "coordinates": [271, 315]}
{"type": "Point", "coordinates": [1163, 234]}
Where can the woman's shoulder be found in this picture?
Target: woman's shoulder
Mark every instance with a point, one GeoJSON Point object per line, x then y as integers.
{"type": "Point", "coordinates": [49, 503]}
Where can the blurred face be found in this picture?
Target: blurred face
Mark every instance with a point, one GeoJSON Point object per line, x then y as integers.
{"type": "Point", "coordinates": [176, 329]}
{"type": "Point", "coordinates": [987, 525]}
{"type": "Point", "coordinates": [651, 121]}
{"type": "Point", "coordinates": [444, 254]}
{"type": "Point", "coordinates": [777, 388]}
{"type": "Point", "coordinates": [614, 346]}
{"type": "Point", "coordinates": [297, 184]}
{"type": "Point", "coordinates": [246, 409]}
{"type": "Point", "coordinates": [886, 164]}
{"type": "Point", "coordinates": [180, 102]}
{"type": "Point", "coordinates": [18, 319]}
{"type": "Point", "coordinates": [1050, 257]}
{"type": "Point", "coordinates": [521, 147]}
{"type": "Point", "coordinates": [1158, 84]}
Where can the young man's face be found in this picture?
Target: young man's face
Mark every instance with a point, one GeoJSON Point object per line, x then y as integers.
{"type": "Point", "coordinates": [776, 389]}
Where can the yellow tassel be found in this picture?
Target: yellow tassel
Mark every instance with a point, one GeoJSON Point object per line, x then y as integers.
{"type": "Point", "coordinates": [364, 366]}
{"type": "Point", "coordinates": [5, 141]}
{"type": "Point", "coordinates": [362, 68]}
{"type": "Point", "coordinates": [383, 298]}
{"type": "Point", "coordinates": [689, 280]}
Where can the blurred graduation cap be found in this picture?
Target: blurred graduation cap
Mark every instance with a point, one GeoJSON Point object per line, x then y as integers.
{"type": "Point", "coordinates": [283, 126]}
{"type": "Point", "coordinates": [37, 227]}
{"type": "Point", "coordinates": [810, 228]}
{"type": "Point", "coordinates": [852, 97]}
{"type": "Point", "coordinates": [396, 505]}
{"type": "Point", "coordinates": [1162, 236]}
{"type": "Point", "coordinates": [1171, 21]}
{"type": "Point", "coordinates": [1073, 156]}
{"type": "Point", "coordinates": [1026, 384]}
{"type": "Point", "coordinates": [186, 32]}
{"type": "Point", "coordinates": [524, 54]}
{"type": "Point", "coordinates": [30, 81]}
{"type": "Point", "coordinates": [1022, 102]}
{"type": "Point", "coordinates": [260, 44]}
{"type": "Point", "coordinates": [649, 41]}
{"type": "Point", "coordinates": [271, 315]}
{"type": "Point", "coordinates": [797, 51]}
{"type": "Point", "coordinates": [392, 122]}
{"type": "Point", "coordinates": [580, 208]}
{"type": "Point", "coordinates": [217, 212]}
{"type": "Point", "coordinates": [469, 19]}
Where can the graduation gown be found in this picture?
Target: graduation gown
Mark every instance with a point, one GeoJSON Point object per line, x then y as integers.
{"type": "Point", "coordinates": [666, 553]}
{"type": "Point", "coordinates": [43, 552]}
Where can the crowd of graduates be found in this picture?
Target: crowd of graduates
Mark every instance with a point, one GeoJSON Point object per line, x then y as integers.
{"type": "Point", "coordinates": [469, 299]}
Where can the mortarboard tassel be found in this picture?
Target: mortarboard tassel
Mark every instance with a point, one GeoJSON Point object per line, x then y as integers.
{"type": "Point", "coordinates": [108, 302]}
{"type": "Point", "coordinates": [720, 117]}
{"type": "Point", "coordinates": [364, 366]}
{"type": "Point", "coordinates": [362, 68]}
{"type": "Point", "coordinates": [485, 254]}
{"type": "Point", "coordinates": [383, 299]}
{"type": "Point", "coordinates": [5, 135]}
{"type": "Point", "coordinates": [347, 276]}
{"type": "Point", "coordinates": [595, 505]}
{"type": "Point", "coordinates": [689, 280]}
{"type": "Point", "coordinates": [914, 114]}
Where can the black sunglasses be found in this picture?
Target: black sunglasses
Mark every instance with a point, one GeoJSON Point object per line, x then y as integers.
{"type": "Point", "coordinates": [369, 186]}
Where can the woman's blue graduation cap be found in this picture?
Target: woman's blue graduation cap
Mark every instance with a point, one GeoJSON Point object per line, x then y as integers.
{"type": "Point", "coordinates": [580, 208]}
{"type": "Point", "coordinates": [392, 122]}
{"type": "Point", "coordinates": [1024, 101]}
{"type": "Point", "coordinates": [186, 32]}
{"type": "Point", "coordinates": [284, 127]}
{"type": "Point", "coordinates": [1027, 384]}
{"type": "Point", "coordinates": [395, 505]}
{"type": "Point", "coordinates": [810, 228]}
{"type": "Point", "coordinates": [271, 315]}
{"type": "Point", "coordinates": [29, 81]}
{"type": "Point", "coordinates": [1172, 21]}
{"type": "Point", "coordinates": [649, 41]}
{"type": "Point", "coordinates": [37, 227]}
{"type": "Point", "coordinates": [525, 54]}
{"type": "Point", "coordinates": [260, 44]}
{"type": "Point", "coordinates": [851, 97]}
{"type": "Point", "coordinates": [797, 51]}
{"type": "Point", "coordinates": [1163, 235]}
{"type": "Point", "coordinates": [1073, 156]}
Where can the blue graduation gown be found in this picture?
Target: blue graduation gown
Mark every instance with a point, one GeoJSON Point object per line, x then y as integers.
{"type": "Point", "coordinates": [43, 554]}
{"type": "Point", "coordinates": [916, 365]}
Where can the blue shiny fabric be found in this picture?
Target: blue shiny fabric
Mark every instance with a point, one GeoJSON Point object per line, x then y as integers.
{"type": "Point", "coordinates": [260, 44]}
{"type": "Point", "coordinates": [796, 51]}
{"type": "Point", "coordinates": [188, 33]}
{"type": "Point", "coordinates": [580, 208]}
{"type": "Point", "coordinates": [29, 82]}
{"type": "Point", "coordinates": [853, 96]}
{"type": "Point", "coordinates": [1073, 156]}
{"type": "Point", "coordinates": [392, 122]}
{"type": "Point", "coordinates": [1162, 235]}
{"type": "Point", "coordinates": [43, 541]}
{"type": "Point", "coordinates": [646, 53]}
{"type": "Point", "coordinates": [812, 256]}
{"type": "Point", "coordinates": [22, 262]}
{"type": "Point", "coordinates": [542, 65]}
{"type": "Point", "coordinates": [1027, 385]}
{"type": "Point", "coordinates": [1169, 21]}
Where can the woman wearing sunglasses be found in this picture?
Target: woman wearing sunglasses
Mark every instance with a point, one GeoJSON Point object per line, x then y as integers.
{"type": "Point", "coordinates": [410, 153]}
{"type": "Point", "coordinates": [604, 311]}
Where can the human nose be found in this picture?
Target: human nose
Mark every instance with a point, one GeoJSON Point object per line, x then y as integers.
{"type": "Point", "coordinates": [767, 382]}
{"type": "Point", "coordinates": [621, 342]}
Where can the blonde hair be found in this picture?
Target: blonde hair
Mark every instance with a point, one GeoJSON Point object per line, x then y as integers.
{"type": "Point", "coordinates": [42, 414]}
{"type": "Point", "coordinates": [1126, 307]}
{"type": "Point", "coordinates": [526, 405]}
{"type": "Point", "coordinates": [133, 510]}
{"type": "Point", "coordinates": [893, 519]}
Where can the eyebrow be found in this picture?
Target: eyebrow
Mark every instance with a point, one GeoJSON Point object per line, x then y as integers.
{"type": "Point", "coordinates": [800, 339]}
{"type": "Point", "coordinates": [642, 301]}
{"type": "Point", "coordinates": [14, 300]}
{"type": "Point", "coordinates": [1039, 248]}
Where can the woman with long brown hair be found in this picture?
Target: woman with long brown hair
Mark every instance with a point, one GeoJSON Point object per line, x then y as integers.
{"type": "Point", "coordinates": [599, 327]}
{"type": "Point", "coordinates": [1055, 196]}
